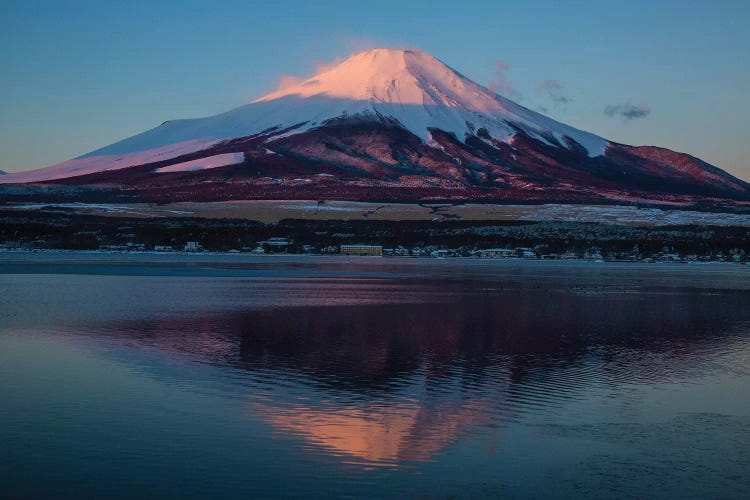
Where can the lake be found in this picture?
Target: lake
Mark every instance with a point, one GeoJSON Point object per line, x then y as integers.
{"type": "Point", "coordinates": [176, 376]}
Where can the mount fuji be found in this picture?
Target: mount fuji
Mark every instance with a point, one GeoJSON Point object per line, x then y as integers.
{"type": "Point", "coordinates": [387, 125]}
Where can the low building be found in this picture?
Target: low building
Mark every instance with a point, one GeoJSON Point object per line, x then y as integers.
{"type": "Point", "coordinates": [670, 257]}
{"type": "Point", "coordinates": [34, 244]}
{"type": "Point", "coordinates": [275, 242]}
{"type": "Point", "coordinates": [496, 253]}
{"type": "Point", "coordinates": [193, 246]}
{"type": "Point", "coordinates": [114, 248]}
{"type": "Point", "coordinates": [375, 250]}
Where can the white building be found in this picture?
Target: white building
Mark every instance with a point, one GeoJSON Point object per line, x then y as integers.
{"type": "Point", "coordinates": [193, 246]}
{"type": "Point", "coordinates": [374, 250]}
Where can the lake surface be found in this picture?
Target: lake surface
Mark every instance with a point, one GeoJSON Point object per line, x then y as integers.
{"type": "Point", "coordinates": [172, 376]}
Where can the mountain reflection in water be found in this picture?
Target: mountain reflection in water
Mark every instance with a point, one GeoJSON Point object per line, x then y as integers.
{"type": "Point", "coordinates": [389, 384]}
{"type": "Point", "coordinates": [187, 377]}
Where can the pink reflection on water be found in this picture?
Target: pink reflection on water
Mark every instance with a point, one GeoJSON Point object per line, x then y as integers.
{"type": "Point", "coordinates": [377, 435]}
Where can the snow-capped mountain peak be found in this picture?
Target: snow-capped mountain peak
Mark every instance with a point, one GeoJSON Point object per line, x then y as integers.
{"type": "Point", "coordinates": [394, 77]}
{"type": "Point", "coordinates": [422, 92]}
{"type": "Point", "coordinates": [386, 124]}
{"type": "Point", "coordinates": [410, 87]}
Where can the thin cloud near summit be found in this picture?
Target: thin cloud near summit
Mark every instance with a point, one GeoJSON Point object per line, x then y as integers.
{"type": "Point", "coordinates": [627, 111]}
{"type": "Point", "coordinates": [554, 90]}
{"type": "Point", "coordinates": [501, 84]}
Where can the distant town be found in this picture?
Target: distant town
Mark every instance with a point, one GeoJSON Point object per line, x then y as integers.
{"type": "Point", "coordinates": [445, 239]}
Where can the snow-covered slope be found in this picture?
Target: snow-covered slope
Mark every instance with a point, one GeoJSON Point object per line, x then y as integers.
{"type": "Point", "coordinates": [411, 88]}
{"type": "Point", "coordinates": [421, 92]}
{"type": "Point", "coordinates": [214, 161]}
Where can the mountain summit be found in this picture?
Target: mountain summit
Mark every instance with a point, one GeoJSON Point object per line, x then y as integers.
{"type": "Point", "coordinates": [422, 93]}
{"type": "Point", "coordinates": [387, 124]}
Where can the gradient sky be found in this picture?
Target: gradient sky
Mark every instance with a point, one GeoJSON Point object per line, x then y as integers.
{"type": "Point", "coordinates": [78, 75]}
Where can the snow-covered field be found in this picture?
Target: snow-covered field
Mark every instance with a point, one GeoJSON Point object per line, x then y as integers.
{"type": "Point", "coordinates": [632, 215]}
{"type": "Point", "coordinates": [104, 209]}
{"type": "Point", "coordinates": [275, 210]}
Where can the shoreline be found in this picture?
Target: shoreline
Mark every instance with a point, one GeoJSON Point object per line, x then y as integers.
{"type": "Point", "coordinates": [351, 258]}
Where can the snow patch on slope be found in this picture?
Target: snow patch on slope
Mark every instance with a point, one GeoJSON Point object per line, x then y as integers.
{"type": "Point", "coordinates": [215, 161]}
{"type": "Point", "coordinates": [89, 164]}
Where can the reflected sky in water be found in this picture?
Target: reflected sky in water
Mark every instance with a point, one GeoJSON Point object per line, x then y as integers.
{"type": "Point", "coordinates": [372, 377]}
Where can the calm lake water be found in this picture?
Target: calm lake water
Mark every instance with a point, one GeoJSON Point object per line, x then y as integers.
{"type": "Point", "coordinates": [163, 376]}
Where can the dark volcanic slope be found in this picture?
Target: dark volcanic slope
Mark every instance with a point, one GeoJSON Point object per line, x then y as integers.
{"type": "Point", "coordinates": [379, 160]}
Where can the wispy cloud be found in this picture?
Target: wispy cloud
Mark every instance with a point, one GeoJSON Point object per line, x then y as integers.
{"type": "Point", "coordinates": [501, 84]}
{"type": "Point", "coordinates": [553, 90]}
{"type": "Point", "coordinates": [627, 111]}
{"type": "Point", "coordinates": [548, 85]}
{"type": "Point", "coordinates": [321, 66]}
{"type": "Point", "coordinates": [286, 81]}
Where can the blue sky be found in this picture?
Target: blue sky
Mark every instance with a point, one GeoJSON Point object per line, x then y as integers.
{"type": "Point", "coordinates": [78, 75]}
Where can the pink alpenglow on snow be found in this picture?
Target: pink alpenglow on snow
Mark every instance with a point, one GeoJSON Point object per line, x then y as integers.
{"type": "Point", "coordinates": [94, 162]}
{"type": "Point", "coordinates": [215, 161]}
{"type": "Point", "coordinates": [422, 92]}
{"type": "Point", "coordinates": [408, 86]}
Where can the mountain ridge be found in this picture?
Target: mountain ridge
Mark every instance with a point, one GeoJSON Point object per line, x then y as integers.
{"type": "Point", "coordinates": [393, 119]}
